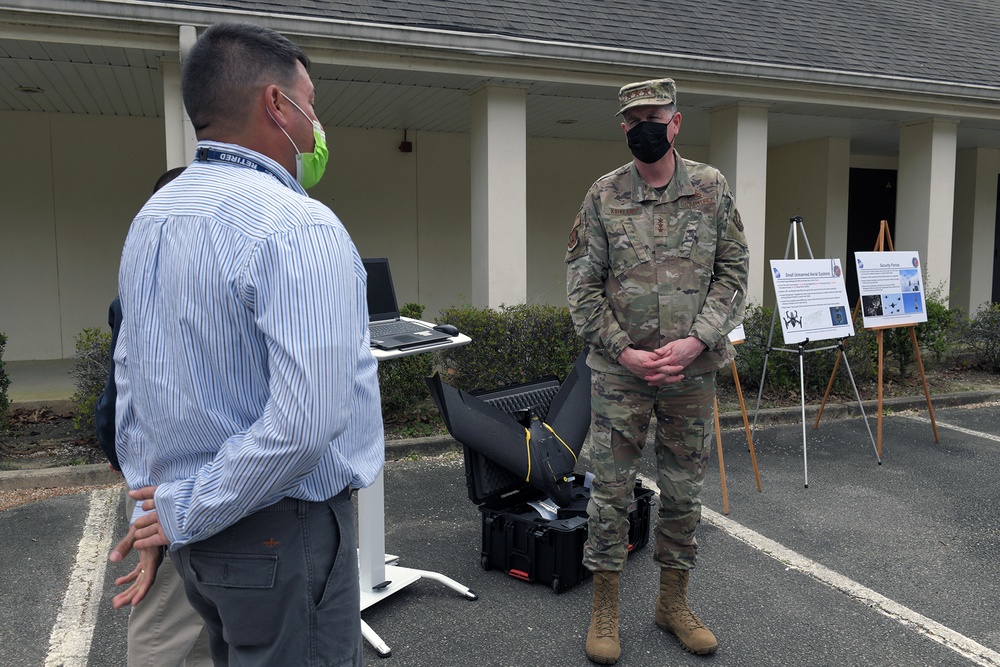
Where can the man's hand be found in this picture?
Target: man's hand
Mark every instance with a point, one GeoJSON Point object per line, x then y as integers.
{"type": "Point", "coordinates": [141, 578]}
{"type": "Point", "coordinates": [680, 352]}
{"type": "Point", "coordinates": [649, 367]}
{"type": "Point", "coordinates": [663, 365]}
{"type": "Point", "coordinates": [146, 536]}
{"type": "Point", "coordinates": [148, 531]}
{"type": "Point", "coordinates": [123, 548]}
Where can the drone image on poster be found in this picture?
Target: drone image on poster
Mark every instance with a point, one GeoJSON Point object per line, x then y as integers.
{"type": "Point", "coordinates": [542, 453]}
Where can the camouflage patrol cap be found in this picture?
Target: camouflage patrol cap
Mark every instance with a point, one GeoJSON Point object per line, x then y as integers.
{"type": "Point", "coordinates": [654, 91]}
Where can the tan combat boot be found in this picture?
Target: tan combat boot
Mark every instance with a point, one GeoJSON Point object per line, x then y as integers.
{"type": "Point", "coordinates": [673, 614]}
{"type": "Point", "coordinates": [602, 638]}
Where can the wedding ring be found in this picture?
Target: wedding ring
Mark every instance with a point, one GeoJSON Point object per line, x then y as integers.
{"type": "Point", "coordinates": [142, 572]}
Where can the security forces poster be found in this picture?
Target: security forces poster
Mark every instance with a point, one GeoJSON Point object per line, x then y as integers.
{"type": "Point", "coordinates": [891, 288]}
{"type": "Point", "coordinates": [812, 299]}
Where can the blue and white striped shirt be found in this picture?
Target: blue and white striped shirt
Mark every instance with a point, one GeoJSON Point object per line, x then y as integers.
{"type": "Point", "coordinates": [243, 364]}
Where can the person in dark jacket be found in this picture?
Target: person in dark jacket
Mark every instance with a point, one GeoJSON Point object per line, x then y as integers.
{"type": "Point", "coordinates": [166, 621]}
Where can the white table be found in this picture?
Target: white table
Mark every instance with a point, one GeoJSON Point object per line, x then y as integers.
{"type": "Point", "coordinates": [380, 574]}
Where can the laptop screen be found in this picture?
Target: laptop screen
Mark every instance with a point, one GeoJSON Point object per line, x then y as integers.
{"type": "Point", "coordinates": [381, 296]}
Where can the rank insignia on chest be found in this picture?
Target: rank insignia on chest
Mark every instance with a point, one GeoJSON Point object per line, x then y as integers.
{"type": "Point", "coordinates": [660, 227]}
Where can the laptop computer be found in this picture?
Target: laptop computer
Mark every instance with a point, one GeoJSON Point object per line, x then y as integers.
{"type": "Point", "coordinates": [388, 331]}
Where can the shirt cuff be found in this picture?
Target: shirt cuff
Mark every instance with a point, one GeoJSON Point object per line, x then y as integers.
{"type": "Point", "coordinates": [617, 344]}
{"type": "Point", "coordinates": [707, 335]}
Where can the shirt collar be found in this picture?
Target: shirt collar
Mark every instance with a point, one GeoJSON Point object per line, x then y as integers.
{"type": "Point", "coordinates": [678, 186]}
{"type": "Point", "coordinates": [243, 158]}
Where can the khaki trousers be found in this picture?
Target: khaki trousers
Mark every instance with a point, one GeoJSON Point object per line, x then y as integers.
{"type": "Point", "coordinates": [164, 630]}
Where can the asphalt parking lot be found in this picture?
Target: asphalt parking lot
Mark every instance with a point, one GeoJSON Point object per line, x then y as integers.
{"type": "Point", "coordinates": [895, 564]}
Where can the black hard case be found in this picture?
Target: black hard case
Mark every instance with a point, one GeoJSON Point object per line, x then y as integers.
{"type": "Point", "coordinates": [516, 538]}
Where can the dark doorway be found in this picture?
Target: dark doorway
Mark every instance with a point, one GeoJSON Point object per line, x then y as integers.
{"type": "Point", "coordinates": [996, 246]}
{"type": "Point", "coordinates": [871, 199]}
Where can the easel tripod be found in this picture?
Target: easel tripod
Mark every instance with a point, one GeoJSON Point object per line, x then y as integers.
{"type": "Point", "coordinates": [884, 239]}
{"type": "Point", "coordinates": [801, 351]}
{"type": "Point", "coordinates": [718, 442]}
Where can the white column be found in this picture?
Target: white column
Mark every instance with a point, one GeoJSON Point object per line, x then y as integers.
{"type": "Point", "coordinates": [499, 199]}
{"type": "Point", "coordinates": [925, 196]}
{"type": "Point", "coordinates": [180, 137]}
{"type": "Point", "coordinates": [838, 178]}
{"type": "Point", "coordinates": [975, 227]}
{"type": "Point", "coordinates": [738, 148]}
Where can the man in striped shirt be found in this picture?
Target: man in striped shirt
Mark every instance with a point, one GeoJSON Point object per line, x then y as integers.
{"type": "Point", "coordinates": [248, 404]}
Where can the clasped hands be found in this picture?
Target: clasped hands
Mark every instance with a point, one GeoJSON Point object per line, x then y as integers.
{"type": "Point", "coordinates": [664, 365]}
{"type": "Point", "coordinates": [146, 536]}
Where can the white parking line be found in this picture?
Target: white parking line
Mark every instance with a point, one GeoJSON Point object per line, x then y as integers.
{"type": "Point", "coordinates": [964, 646]}
{"type": "Point", "coordinates": [960, 429]}
{"type": "Point", "coordinates": [69, 643]}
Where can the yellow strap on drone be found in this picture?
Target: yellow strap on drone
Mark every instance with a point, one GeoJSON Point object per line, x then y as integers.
{"type": "Point", "coordinates": [527, 446]}
{"type": "Point", "coordinates": [559, 439]}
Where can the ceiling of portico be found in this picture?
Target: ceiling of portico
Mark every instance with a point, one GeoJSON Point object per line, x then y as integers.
{"type": "Point", "coordinates": [57, 77]}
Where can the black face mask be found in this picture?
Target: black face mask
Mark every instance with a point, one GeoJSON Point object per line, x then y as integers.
{"type": "Point", "coordinates": [648, 141]}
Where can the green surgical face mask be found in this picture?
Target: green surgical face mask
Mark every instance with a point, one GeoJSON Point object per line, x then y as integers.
{"type": "Point", "coordinates": [309, 167]}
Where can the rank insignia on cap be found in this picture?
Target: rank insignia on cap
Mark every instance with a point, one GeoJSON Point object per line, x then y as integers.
{"type": "Point", "coordinates": [642, 93]}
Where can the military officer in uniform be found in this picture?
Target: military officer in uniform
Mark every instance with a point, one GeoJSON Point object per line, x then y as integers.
{"type": "Point", "coordinates": [656, 277]}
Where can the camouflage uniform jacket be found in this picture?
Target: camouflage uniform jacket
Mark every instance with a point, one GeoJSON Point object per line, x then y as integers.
{"type": "Point", "coordinates": [644, 269]}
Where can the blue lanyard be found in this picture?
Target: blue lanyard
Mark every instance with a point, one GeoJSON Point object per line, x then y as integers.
{"type": "Point", "coordinates": [206, 154]}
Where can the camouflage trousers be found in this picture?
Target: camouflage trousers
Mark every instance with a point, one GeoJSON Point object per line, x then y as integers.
{"type": "Point", "coordinates": [621, 409]}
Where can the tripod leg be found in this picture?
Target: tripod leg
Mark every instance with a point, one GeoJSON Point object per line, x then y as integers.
{"type": "Point", "coordinates": [857, 394]}
{"type": "Point", "coordinates": [746, 427]}
{"type": "Point", "coordinates": [722, 461]}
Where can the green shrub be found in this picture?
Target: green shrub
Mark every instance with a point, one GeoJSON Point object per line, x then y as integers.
{"type": "Point", "coordinates": [401, 381]}
{"type": "Point", "coordinates": [4, 384]}
{"type": "Point", "coordinates": [511, 344]}
{"type": "Point", "coordinates": [90, 372]}
{"type": "Point", "coordinates": [898, 347]}
{"type": "Point", "coordinates": [982, 335]}
{"type": "Point", "coordinates": [863, 351]}
{"type": "Point", "coordinates": [782, 376]}
{"type": "Point", "coordinates": [750, 354]}
{"type": "Point", "coordinates": [938, 337]}
{"type": "Point", "coordinates": [940, 333]}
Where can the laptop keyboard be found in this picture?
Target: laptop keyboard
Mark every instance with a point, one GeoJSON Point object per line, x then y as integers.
{"type": "Point", "coordinates": [384, 329]}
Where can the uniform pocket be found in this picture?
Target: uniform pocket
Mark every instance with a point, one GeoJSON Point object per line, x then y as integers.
{"type": "Point", "coordinates": [625, 249]}
{"type": "Point", "coordinates": [699, 239]}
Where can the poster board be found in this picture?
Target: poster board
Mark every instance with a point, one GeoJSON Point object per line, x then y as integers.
{"type": "Point", "coordinates": [891, 288]}
{"type": "Point", "coordinates": [812, 299]}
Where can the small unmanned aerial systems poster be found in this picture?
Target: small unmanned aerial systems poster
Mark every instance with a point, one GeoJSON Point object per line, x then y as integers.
{"type": "Point", "coordinates": [891, 288]}
{"type": "Point", "coordinates": [812, 299]}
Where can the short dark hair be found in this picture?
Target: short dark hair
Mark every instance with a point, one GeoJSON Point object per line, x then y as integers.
{"type": "Point", "coordinates": [226, 67]}
{"type": "Point", "coordinates": [166, 177]}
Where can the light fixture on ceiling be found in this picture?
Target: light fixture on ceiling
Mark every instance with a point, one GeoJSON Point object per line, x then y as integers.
{"type": "Point", "coordinates": [405, 146]}
{"type": "Point", "coordinates": [31, 90]}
